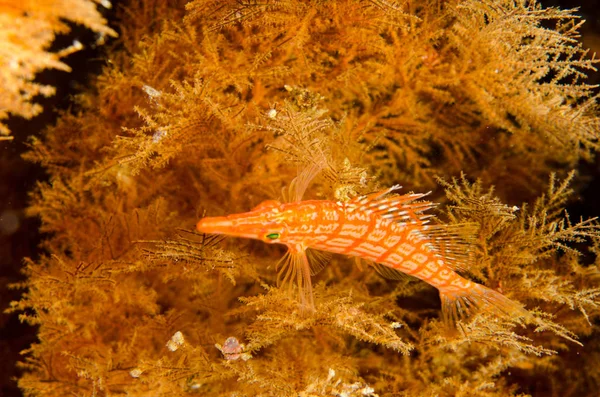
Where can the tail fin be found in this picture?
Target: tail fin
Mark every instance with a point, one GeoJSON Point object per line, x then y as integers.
{"type": "Point", "coordinates": [458, 305]}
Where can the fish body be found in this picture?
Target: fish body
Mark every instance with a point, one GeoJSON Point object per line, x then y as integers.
{"type": "Point", "coordinates": [341, 229]}
{"type": "Point", "coordinates": [389, 230]}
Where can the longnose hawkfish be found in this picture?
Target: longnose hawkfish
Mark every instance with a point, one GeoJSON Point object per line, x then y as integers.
{"type": "Point", "coordinates": [387, 229]}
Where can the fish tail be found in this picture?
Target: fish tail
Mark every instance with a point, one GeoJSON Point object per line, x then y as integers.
{"type": "Point", "coordinates": [463, 303]}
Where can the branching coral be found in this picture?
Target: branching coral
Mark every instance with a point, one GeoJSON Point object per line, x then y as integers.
{"type": "Point", "coordinates": [217, 107]}
{"type": "Point", "coordinates": [27, 29]}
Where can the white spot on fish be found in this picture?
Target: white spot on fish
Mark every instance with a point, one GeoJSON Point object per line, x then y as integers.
{"type": "Point", "coordinates": [392, 240]}
{"type": "Point", "coordinates": [406, 249]}
{"type": "Point", "coordinates": [305, 228]}
{"type": "Point", "coordinates": [370, 249]}
{"type": "Point", "coordinates": [331, 215]}
{"type": "Point", "coordinates": [353, 230]}
{"type": "Point", "coordinates": [394, 259]}
{"type": "Point", "coordinates": [409, 265]}
{"type": "Point", "coordinates": [376, 235]}
{"type": "Point", "coordinates": [432, 266]}
{"type": "Point", "coordinates": [325, 228]}
{"type": "Point", "coordinates": [339, 242]}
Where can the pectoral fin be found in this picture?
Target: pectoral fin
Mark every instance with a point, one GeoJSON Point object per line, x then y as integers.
{"type": "Point", "coordinates": [294, 273]}
{"type": "Point", "coordinates": [317, 260]}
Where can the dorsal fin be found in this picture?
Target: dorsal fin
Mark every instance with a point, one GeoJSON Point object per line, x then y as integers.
{"type": "Point", "coordinates": [299, 184]}
{"type": "Point", "coordinates": [455, 244]}
{"type": "Point", "coordinates": [404, 208]}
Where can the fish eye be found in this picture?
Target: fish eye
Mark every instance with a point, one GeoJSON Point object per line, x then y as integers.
{"type": "Point", "coordinates": [272, 236]}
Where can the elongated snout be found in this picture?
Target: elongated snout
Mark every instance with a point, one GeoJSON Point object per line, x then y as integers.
{"type": "Point", "coordinates": [214, 225]}
{"type": "Point", "coordinates": [238, 225]}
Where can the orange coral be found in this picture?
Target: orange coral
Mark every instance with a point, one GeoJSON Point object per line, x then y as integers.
{"type": "Point", "coordinates": [215, 108]}
{"type": "Point", "coordinates": [27, 29]}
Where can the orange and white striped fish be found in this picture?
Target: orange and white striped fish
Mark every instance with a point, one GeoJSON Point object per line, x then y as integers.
{"type": "Point", "coordinates": [389, 230]}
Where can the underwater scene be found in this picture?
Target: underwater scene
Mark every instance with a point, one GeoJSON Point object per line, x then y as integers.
{"type": "Point", "coordinates": [299, 198]}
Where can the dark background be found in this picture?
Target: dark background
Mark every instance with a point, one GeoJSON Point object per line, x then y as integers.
{"type": "Point", "coordinates": [20, 237]}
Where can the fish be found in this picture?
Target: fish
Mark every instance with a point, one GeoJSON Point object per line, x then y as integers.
{"type": "Point", "coordinates": [388, 230]}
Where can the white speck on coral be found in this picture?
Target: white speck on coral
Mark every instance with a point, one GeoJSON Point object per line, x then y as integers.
{"type": "Point", "coordinates": [151, 92]}
{"type": "Point", "coordinates": [176, 341]}
{"type": "Point", "coordinates": [272, 113]}
{"type": "Point", "coordinates": [178, 338]}
{"type": "Point", "coordinates": [396, 325]}
{"type": "Point", "coordinates": [100, 38]}
{"type": "Point", "coordinates": [135, 373]}
{"type": "Point", "coordinates": [77, 45]}
{"type": "Point", "coordinates": [363, 179]}
{"type": "Point", "coordinates": [331, 374]}
{"type": "Point", "coordinates": [367, 391]}
{"type": "Point", "coordinates": [159, 135]}
{"type": "Point", "coordinates": [106, 4]}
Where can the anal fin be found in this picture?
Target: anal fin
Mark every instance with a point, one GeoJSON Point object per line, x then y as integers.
{"type": "Point", "coordinates": [390, 273]}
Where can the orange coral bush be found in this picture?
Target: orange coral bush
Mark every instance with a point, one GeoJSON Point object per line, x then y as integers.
{"type": "Point", "coordinates": [212, 108]}
{"type": "Point", "coordinates": [27, 29]}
